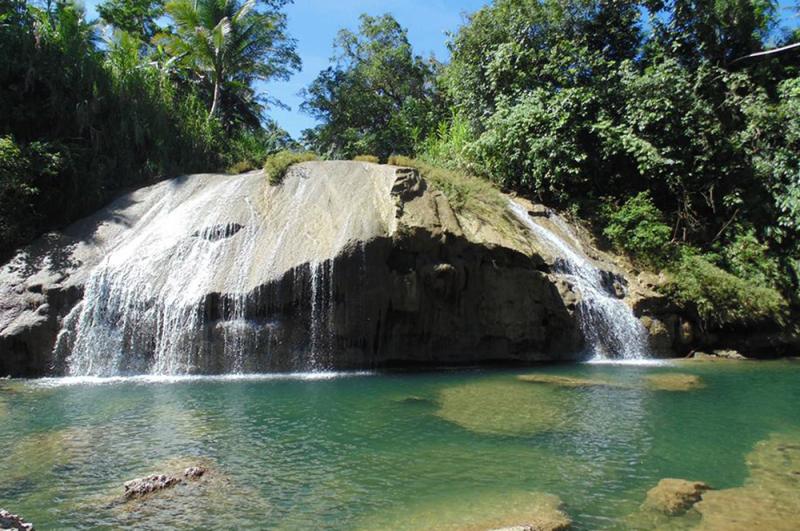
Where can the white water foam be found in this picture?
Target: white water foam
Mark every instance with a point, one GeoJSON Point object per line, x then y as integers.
{"type": "Point", "coordinates": [67, 381]}
{"type": "Point", "coordinates": [611, 329]}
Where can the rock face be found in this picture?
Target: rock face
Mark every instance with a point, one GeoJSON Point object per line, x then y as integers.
{"type": "Point", "coordinates": [344, 265]}
{"type": "Point", "coordinates": [12, 521]}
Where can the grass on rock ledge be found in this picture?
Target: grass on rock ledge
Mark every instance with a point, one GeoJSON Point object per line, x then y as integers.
{"type": "Point", "coordinates": [278, 164]}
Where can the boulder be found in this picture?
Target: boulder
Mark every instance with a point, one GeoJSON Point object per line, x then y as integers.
{"type": "Point", "coordinates": [9, 521]}
{"type": "Point", "coordinates": [674, 497]}
{"type": "Point", "coordinates": [140, 487]}
{"type": "Point", "coordinates": [194, 472]}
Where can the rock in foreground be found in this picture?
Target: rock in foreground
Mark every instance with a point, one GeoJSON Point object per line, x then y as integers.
{"type": "Point", "coordinates": [137, 488]}
{"type": "Point", "coordinates": [674, 496]}
{"type": "Point", "coordinates": [9, 521]}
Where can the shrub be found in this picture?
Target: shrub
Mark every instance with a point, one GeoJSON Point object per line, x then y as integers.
{"type": "Point", "coordinates": [367, 158]}
{"type": "Point", "coordinates": [278, 164]}
{"type": "Point", "coordinates": [746, 257]}
{"type": "Point", "coordinates": [720, 298]}
{"type": "Point", "coordinates": [638, 228]}
{"type": "Point", "coordinates": [241, 167]}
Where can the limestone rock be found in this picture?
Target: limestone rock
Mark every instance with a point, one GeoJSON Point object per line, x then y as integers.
{"type": "Point", "coordinates": [769, 498]}
{"type": "Point", "coordinates": [368, 259]}
{"type": "Point", "coordinates": [674, 496]}
{"type": "Point", "coordinates": [9, 521]}
{"type": "Point", "coordinates": [674, 382]}
{"type": "Point", "coordinates": [194, 472]}
{"type": "Point", "coordinates": [140, 487]}
{"type": "Point", "coordinates": [728, 355]}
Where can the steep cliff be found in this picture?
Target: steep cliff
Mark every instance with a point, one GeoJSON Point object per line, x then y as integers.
{"type": "Point", "coordinates": [343, 265]}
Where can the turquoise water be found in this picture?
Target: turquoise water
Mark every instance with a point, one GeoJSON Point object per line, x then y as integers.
{"type": "Point", "coordinates": [381, 451]}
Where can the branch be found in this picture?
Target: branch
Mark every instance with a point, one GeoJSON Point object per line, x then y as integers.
{"type": "Point", "coordinates": [767, 53]}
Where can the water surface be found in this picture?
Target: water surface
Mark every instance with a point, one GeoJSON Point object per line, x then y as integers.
{"type": "Point", "coordinates": [373, 451]}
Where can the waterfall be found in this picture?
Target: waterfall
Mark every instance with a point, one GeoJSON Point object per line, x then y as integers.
{"type": "Point", "coordinates": [611, 329]}
{"type": "Point", "coordinates": [192, 285]}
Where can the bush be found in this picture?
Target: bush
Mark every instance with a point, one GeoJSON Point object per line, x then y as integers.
{"type": "Point", "coordinates": [720, 298]}
{"type": "Point", "coordinates": [638, 229]}
{"type": "Point", "coordinates": [240, 167]}
{"type": "Point", "coordinates": [278, 164]}
{"type": "Point", "coordinates": [367, 158]}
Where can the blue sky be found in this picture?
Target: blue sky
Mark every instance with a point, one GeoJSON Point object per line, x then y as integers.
{"type": "Point", "coordinates": [314, 23]}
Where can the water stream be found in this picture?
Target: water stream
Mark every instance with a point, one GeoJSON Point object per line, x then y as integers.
{"type": "Point", "coordinates": [611, 329]}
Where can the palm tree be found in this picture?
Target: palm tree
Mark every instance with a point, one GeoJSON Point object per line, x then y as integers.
{"type": "Point", "coordinates": [226, 46]}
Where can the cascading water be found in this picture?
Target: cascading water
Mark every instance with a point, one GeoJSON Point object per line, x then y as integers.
{"type": "Point", "coordinates": [188, 287]}
{"type": "Point", "coordinates": [611, 329]}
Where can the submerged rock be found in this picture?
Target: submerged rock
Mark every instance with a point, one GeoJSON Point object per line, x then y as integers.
{"type": "Point", "coordinates": [674, 382]}
{"type": "Point", "coordinates": [137, 488]}
{"type": "Point", "coordinates": [570, 381]}
{"type": "Point", "coordinates": [674, 496]}
{"type": "Point", "coordinates": [505, 511]}
{"type": "Point", "coordinates": [9, 521]}
{"type": "Point", "coordinates": [503, 408]}
{"type": "Point", "coordinates": [769, 498]}
{"type": "Point", "coordinates": [194, 472]}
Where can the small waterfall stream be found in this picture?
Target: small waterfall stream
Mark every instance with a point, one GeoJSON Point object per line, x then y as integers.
{"type": "Point", "coordinates": [611, 329]}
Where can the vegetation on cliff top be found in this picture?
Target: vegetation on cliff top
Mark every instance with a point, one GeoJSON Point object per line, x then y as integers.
{"type": "Point", "coordinates": [276, 166]}
{"type": "Point", "coordinates": [645, 118]}
{"type": "Point", "coordinates": [677, 153]}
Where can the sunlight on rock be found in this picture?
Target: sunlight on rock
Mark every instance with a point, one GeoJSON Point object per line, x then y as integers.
{"type": "Point", "coordinates": [504, 408]}
{"type": "Point", "coordinates": [190, 501]}
{"type": "Point", "coordinates": [673, 382]}
{"type": "Point", "coordinates": [769, 498]}
{"type": "Point", "coordinates": [674, 496]}
{"type": "Point", "coordinates": [488, 511]}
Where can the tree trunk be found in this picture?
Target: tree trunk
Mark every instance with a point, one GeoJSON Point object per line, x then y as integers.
{"type": "Point", "coordinates": [215, 102]}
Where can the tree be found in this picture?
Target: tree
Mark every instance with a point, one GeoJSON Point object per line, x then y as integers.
{"type": "Point", "coordinates": [718, 31]}
{"type": "Point", "coordinates": [225, 46]}
{"type": "Point", "coordinates": [378, 98]}
{"type": "Point", "coordinates": [137, 17]}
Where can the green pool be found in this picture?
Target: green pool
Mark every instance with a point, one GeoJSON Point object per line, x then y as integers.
{"type": "Point", "coordinates": [439, 450]}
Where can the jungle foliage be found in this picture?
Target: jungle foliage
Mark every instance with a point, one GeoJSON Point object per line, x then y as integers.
{"type": "Point", "coordinates": [646, 118]}
{"type": "Point", "coordinates": [88, 109]}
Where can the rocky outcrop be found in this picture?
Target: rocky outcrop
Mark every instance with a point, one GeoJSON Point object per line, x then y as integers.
{"type": "Point", "coordinates": [137, 488]}
{"type": "Point", "coordinates": [674, 497]}
{"type": "Point", "coordinates": [13, 522]}
{"type": "Point", "coordinates": [344, 265]}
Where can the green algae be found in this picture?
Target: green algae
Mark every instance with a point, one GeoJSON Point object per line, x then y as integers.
{"type": "Point", "coordinates": [503, 408]}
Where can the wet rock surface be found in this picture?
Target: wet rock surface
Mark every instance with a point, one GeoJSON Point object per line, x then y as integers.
{"type": "Point", "coordinates": [10, 521]}
{"type": "Point", "coordinates": [674, 496]}
{"type": "Point", "coordinates": [390, 275]}
{"type": "Point", "coordinates": [137, 488]}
